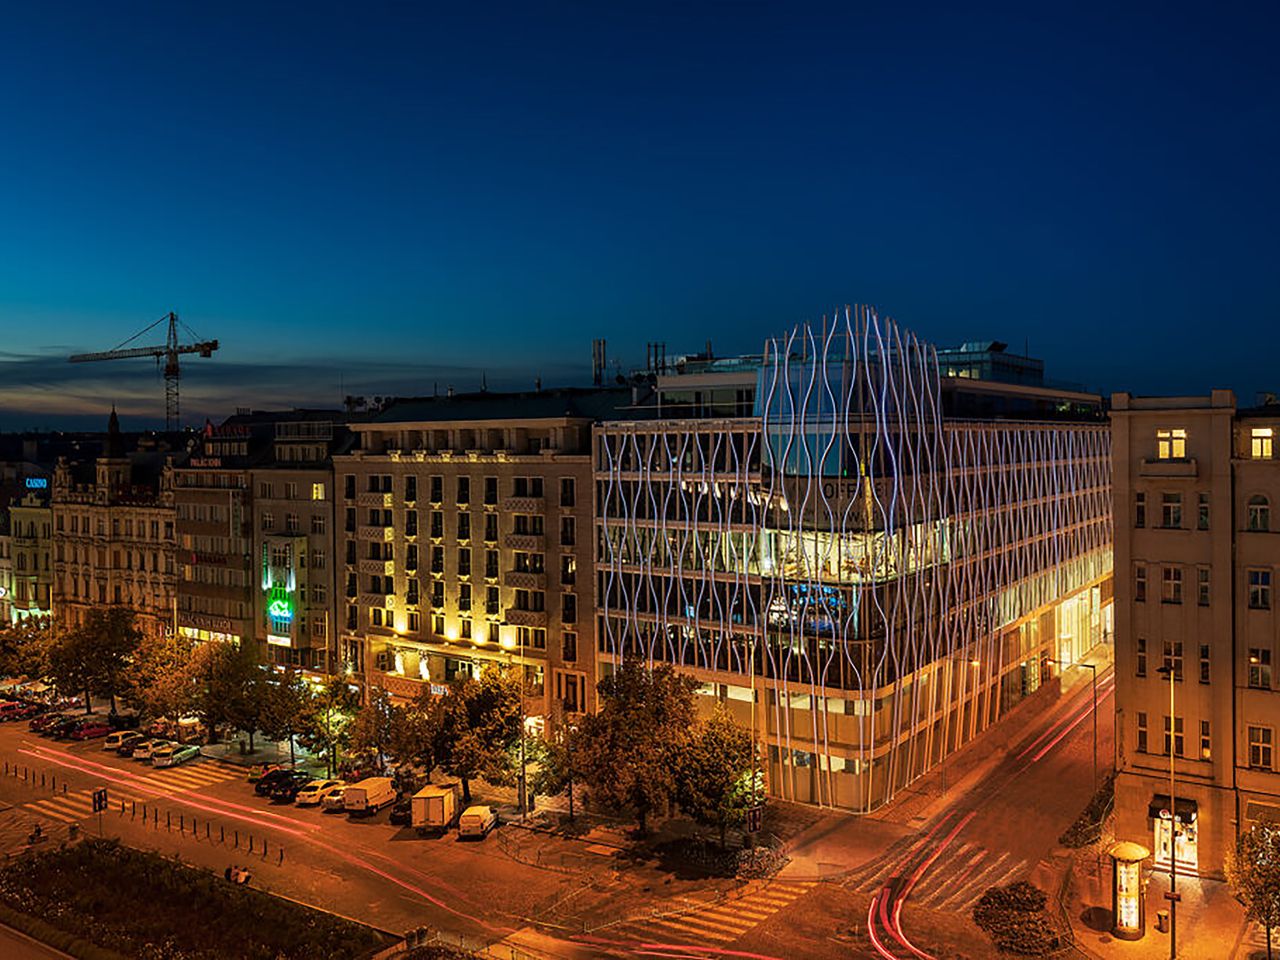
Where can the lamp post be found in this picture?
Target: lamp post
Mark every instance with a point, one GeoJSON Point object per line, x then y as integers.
{"type": "Point", "coordinates": [1172, 894]}
{"type": "Point", "coordinates": [1093, 667]}
{"type": "Point", "coordinates": [973, 662]}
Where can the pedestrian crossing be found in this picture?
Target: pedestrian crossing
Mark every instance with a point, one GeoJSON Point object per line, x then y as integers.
{"type": "Point", "coordinates": [141, 788]}
{"type": "Point", "coordinates": [722, 922]}
{"type": "Point", "coordinates": [953, 882]}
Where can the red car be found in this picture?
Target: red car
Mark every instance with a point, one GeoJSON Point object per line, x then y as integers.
{"type": "Point", "coordinates": [91, 729]}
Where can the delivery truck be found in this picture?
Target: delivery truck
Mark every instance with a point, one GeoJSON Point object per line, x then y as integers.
{"type": "Point", "coordinates": [435, 808]}
{"type": "Point", "coordinates": [369, 795]}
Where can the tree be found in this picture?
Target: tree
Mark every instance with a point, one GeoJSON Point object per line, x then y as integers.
{"type": "Point", "coordinates": [70, 663]}
{"type": "Point", "coordinates": [417, 736]}
{"type": "Point", "coordinates": [159, 678]}
{"type": "Point", "coordinates": [115, 638]}
{"type": "Point", "coordinates": [24, 647]}
{"type": "Point", "coordinates": [1253, 871]}
{"type": "Point", "coordinates": [480, 725]}
{"type": "Point", "coordinates": [630, 751]}
{"type": "Point", "coordinates": [326, 723]}
{"type": "Point", "coordinates": [285, 705]}
{"type": "Point", "coordinates": [374, 726]}
{"type": "Point", "coordinates": [240, 682]}
{"type": "Point", "coordinates": [714, 784]}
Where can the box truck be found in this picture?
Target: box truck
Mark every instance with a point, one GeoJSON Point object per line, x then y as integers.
{"type": "Point", "coordinates": [435, 807]}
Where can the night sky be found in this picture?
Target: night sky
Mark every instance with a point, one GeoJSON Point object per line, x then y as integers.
{"type": "Point", "coordinates": [361, 198]}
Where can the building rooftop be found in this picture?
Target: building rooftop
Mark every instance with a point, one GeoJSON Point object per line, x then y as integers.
{"type": "Point", "coordinates": [575, 403]}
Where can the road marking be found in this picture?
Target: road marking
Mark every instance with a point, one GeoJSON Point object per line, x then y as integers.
{"type": "Point", "coordinates": [723, 922]}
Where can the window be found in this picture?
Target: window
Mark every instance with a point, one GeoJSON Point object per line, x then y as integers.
{"type": "Point", "coordinates": [491, 491]}
{"type": "Point", "coordinates": [528, 562]}
{"type": "Point", "coordinates": [353, 617]}
{"type": "Point", "coordinates": [1206, 744]}
{"type": "Point", "coordinates": [411, 488]}
{"type": "Point", "coordinates": [464, 526]}
{"type": "Point", "coordinates": [318, 559]}
{"type": "Point", "coordinates": [1260, 748]}
{"type": "Point", "coordinates": [569, 647]}
{"type": "Point", "coordinates": [317, 491]}
{"type": "Point", "coordinates": [1260, 443]}
{"type": "Point", "coordinates": [415, 621]}
{"type": "Point", "coordinates": [437, 524]}
{"type": "Point", "coordinates": [568, 531]}
{"type": "Point", "coordinates": [1178, 741]}
{"type": "Point", "coordinates": [529, 524]}
{"type": "Point", "coordinates": [568, 569]}
{"type": "Point", "coordinates": [464, 561]}
{"type": "Point", "coordinates": [1260, 589]}
{"type": "Point", "coordinates": [319, 595]}
{"type": "Point", "coordinates": [1142, 732]}
{"type": "Point", "coordinates": [411, 596]}
{"type": "Point", "coordinates": [437, 489]}
{"type": "Point", "coordinates": [411, 557]}
{"type": "Point", "coordinates": [351, 585]}
{"type": "Point", "coordinates": [492, 601]}
{"type": "Point", "coordinates": [317, 523]}
{"type": "Point", "coordinates": [437, 624]}
{"type": "Point", "coordinates": [569, 608]}
{"type": "Point", "coordinates": [349, 486]}
{"type": "Point", "coordinates": [534, 638]}
{"type": "Point", "coordinates": [1140, 583]}
{"type": "Point", "coordinates": [437, 560]}
{"type": "Point", "coordinates": [1139, 509]}
{"type": "Point", "coordinates": [351, 520]}
{"type": "Point", "coordinates": [1202, 586]}
{"type": "Point", "coordinates": [568, 495]}
{"type": "Point", "coordinates": [1171, 443]}
{"type": "Point", "coordinates": [465, 628]}
{"type": "Point", "coordinates": [1171, 511]}
{"type": "Point", "coordinates": [351, 551]}
{"type": "Point", "coordinates": [291, 523]}
{"type": "Point", "coordinates": [1173, 657]}
{"type": "Point", "coordinates": [1259, 514]}
{"type": "Point", "coordinates": [268, 521]}
{"type": "Point", "coordinates": [437, 594]}
{"type": "Point", "coordinates": [1141, 669]}
{"type": "Point", "coordinates": [491, 564]}
{"type": "Point", "coordinates": [490, 528]}
{"type": "Point", "coordinates": [375, 616]}
{"type": "Point", "coordinates": [1260, 668]}
{"type": "Point", "coordinates": [411, 523]}
{"type": "Point", "coordinates": [464, 596]}
{"type": "Point", "coordinates": [1202, 520]}
{"type": "Point", "coordinates": [264, 490]}
{"type": "Point", "coordinates": [464, 490]}
{"type": "Point", "coordinates": [1204, 663]}
{"type": "Point", "coordinates": [534, 600]}
{"type": "Point", "coordinates": [527, 486]}
{"type": "Point", "coordinates": [1171, 585]}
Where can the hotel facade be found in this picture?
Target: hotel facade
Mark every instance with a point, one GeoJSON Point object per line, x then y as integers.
{"type": "Point", "coordinates": [865, 580]}
{"type": "Point", "coordinates": [1196, 558]}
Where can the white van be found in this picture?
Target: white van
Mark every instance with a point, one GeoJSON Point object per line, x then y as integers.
{"type": "Point", "coordinates": [435, 807]}
{"type": "Point", "coordinates": [369, 795]}
{"type": "Point", "coordinates": [477, 821]}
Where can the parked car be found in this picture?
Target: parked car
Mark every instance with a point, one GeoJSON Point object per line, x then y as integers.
{"type": "Point", "coordinates": [147, 748]}
{"type": "Point", "coordinates": [42, 723]}
{"type": "Point", "coordinates": [127, 748]}
{"type": "Point", "coordinates": [258, 770]}
{"type": "Point", "coordinates": [477, 821]}
{"type": "Point", "coordinates": [334, 801]}
{"type": "Point", "coordinates": [286, 789]}
{"type": "Point", "coordinates": [315, 791]}
{"type": "Point", "coordinates": [25, 711]}
{"type": "Point", "coordinates": [62, 725]}
{"type": "Point", "coordinates": [172, 754]}
{"type": "Point", "coordinates": [10, 709]}
{"type": "Point", "coordinates": [369, 795]}
{"type": "Point", "coordinates": [123, 721]}
{"type": "Point", "coordinates": [402, 812]}
{"type": "Point", "coordinates": [89, 729]}
{"type": "Point", "coordinates": [115, 740]}
{"type": "Point", "coordinates": [268, 780]}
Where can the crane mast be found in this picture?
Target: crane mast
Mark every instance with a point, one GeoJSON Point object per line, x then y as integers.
{"type": "Point", "coordinates": [166, 356]}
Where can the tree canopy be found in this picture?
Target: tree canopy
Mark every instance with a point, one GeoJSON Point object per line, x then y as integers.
{"type": "Point", "coordinates": [1253, 871]}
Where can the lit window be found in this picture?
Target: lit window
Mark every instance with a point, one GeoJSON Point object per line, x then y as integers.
{"type": "Point", "coordinates": [317, 491]}
{"type": "Point", "coordinates": [1260, 668]}
{"type": "Point", "coordinates": [1206, 751]}
{"type": "Point", "coordinates": [1260, 443]}
{"type": "Point", "coordinates": [1171, 443]}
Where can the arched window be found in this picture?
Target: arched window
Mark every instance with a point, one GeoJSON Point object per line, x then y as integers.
{"type": "Point", "coordinates": [1259, 513]}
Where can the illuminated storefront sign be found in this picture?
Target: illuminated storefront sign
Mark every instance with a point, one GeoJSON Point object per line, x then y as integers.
{"type": "Point", "coordinates": [37, 483]}
{"type": "Point", "coordinates": [279, 641]}
{"type": "Point", "coordinates": [280, 610]}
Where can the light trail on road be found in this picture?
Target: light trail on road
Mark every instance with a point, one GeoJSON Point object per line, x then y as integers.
{"type": "Point", "coordinates": [884, 914]}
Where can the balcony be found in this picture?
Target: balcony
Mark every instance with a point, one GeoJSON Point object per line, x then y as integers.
{"type": "Point", "coordinates": [377, 534]}
{"type": "Point", "coordinates": [526, 618]}
{"type": "Point", "coordinates": [381, 568]}
{"type": "Point", "coordinates": [525, 579]}
{"type": "Point", "coordinates": [524, 541]}
{"type": "Point", "coordinates": [523, 504]}
{"type": "Point", "coordinates": [377, 599]}
{"type": "Point", "coordinates": [373, 500]}
{"type": "Point", "coordinates": [1168, 468]}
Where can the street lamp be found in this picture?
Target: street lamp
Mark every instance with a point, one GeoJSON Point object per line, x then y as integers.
{"type": "Point", "coordinates": [1172, 895]}
{"type": "Point", "coordinates": [1093, 667]}
{"type": "Point", "coordinates": [946, 726]}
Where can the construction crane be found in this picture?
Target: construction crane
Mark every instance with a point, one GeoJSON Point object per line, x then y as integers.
{"type": "Point", "coordinates": [168, 352]}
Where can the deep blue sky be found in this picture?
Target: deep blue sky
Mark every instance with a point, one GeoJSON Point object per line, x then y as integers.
{"type": "Point", "coordinates": [409, 194]}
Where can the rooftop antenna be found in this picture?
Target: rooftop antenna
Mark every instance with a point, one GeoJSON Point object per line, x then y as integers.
{"type": "Point", "coordinates": [484, 383]}
{"type": "Point", "coordinates": [598, 361]}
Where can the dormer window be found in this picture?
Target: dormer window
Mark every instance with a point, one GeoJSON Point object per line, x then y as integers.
{"type": "Point", "coordinates": [1171, 443]}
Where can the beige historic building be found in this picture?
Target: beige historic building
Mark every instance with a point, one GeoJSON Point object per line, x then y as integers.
{"type": "Point", "coordinates": [30, 556]}
{"type": "Point", "coordinates": [467, 538]}
{"type": "Point", "coordinates": [1196, 556]}
{"type": "Point", "coordinates": [113, 534]}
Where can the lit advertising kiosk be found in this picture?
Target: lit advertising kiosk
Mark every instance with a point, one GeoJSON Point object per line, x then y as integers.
{"type": "Point", "coordinates": [1128, 905]}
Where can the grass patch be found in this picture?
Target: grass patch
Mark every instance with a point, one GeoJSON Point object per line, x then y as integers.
{"type": "Point", "coordinates": [1088, 826]}
{"type": "Point", "coordinates": [146, 906]}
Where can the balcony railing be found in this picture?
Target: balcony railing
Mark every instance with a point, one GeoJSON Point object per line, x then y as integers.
{"type": "Point", "coordinates": [526, 579]}
{"type": "Point", "coordinates": [524, 541]}
{"type": "Point", "coordinates": [374, 500]}
{"type": "Point", "coordinates": [384, 534]}
{"type": "Point", "coordinates": [523, 504]}
{"type": "Point", "coordinates": [381, 568]}
{"type": "Point", "coordinates": [526, 618]}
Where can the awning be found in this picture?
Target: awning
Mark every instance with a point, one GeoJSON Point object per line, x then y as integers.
{"type": "Point", "coordinates": [1186, 807]}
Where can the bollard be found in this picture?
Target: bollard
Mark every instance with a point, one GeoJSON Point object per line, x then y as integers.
{"type": "Point", "coordinates": [222, 834]}
{"type": "Point", "coordinates": [182, 823]}
{"type": "Point", "coordinates": [264, 846]}
{"type": "Point", "coordinates": [133, 809]}
{"type": "Point", "coordinates": [237, 839]}
{"type": "Point", "coordinates": [42, 778]}
{"type": "Point", "coordinates": [168, 819]}
{"type": "Point", "coordinates": [53, 783]}
{"type": "Point", "coordinates": [64, 788]}
{"type": "Point", "coordinates": [282, 855]}
{"type": "Point", "coordinates": [251, 843]}
{"type": "Point", "coordinates": [208, 835]}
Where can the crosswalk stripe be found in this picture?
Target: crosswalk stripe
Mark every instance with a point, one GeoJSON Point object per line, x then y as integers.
{"type": "Point", "coordinates": [57, 809]}
{"type": "Point", "coordinates": [943, 894]}
{"type": "Point", "coordinates": [689, 924]}
{"type": "Point", "coordinates": [731, 914]}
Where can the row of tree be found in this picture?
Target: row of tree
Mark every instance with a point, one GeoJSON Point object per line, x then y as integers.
{"type": "Point", "coordinates": [645, 753]}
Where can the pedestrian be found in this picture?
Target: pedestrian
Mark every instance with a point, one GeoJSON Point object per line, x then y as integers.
{"type": "Point", "coordinates": [227, 874]}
